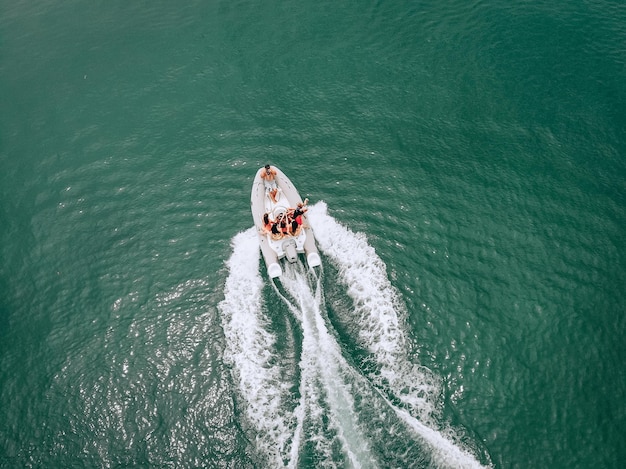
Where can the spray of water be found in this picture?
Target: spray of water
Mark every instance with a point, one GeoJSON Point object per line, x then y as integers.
{"type": "Point", "coordinates": [326, 382]}
{"type": "Point", "coordinates": [343, 417]}
{"type": "Point", "coordinates": [249, 351]}
{"type": "Point", "coordinates": [382, 319]}
{"type": "Point", "coordinates": [380, 313]}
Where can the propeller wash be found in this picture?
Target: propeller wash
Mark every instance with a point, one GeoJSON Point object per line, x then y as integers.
{"type": "Point", "coordinates": [317, 392]}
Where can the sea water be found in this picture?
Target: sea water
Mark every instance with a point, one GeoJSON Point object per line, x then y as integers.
{"type": "Point", "coordinates": [465, 167]}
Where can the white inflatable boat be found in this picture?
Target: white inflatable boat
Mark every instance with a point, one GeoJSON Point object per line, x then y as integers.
{"type": "Point", "coordinates": [279, 204]}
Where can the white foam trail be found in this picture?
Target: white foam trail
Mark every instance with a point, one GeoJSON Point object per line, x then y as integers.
{"type": "Point", "coordinates": [249, 348]}
{"type": "Point", "coordinates": [326, 414]}
{"type": "Point", "coordinates": [379, 311]}
{"type": "Point", "coordinates": [447, 454]}
{"type": "Point", "coordinates": [323, 372]}
{"type": "Point", "coordinates": [381, 317]}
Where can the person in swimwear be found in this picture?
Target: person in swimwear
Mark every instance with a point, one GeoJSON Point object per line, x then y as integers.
{"type": "Point", "coordinates": [267, 224]}
{"type": "Point", "coordinates": [295, 215]}
{"type": "Point", "coordinates": [268, 174]}
{"type": "Point", "coordinates": [284, 227]}
{"type": "Point", "coordinates": [294, 228]}
{"type": "Point", "coordinates": [301, 208]}
{"type": "Point", "coordinates": [276, 233]}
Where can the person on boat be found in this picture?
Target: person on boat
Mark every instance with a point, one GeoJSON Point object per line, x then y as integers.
{"type": "Point", "coordinates": [268, 174]}
{"type": "Point", "coordinates": [301, 208]}
{"type": "Point", "coordinates": [294, 227]}
{"type": "Point", "coordinates": [294, 217]}
{"type": "Point", "coordinates": [276, 232]}
{"type": "Point", "coordinates": [284, 226]}
{"type": "Point", "coordinates": [267, 224]}
{"type": "Point", "coordinates": [296, 213]}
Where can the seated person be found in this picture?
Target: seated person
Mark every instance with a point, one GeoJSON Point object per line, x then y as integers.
{"type": "Point", "coordinates": [267, 224]}
{"type": "Point", "coordinates": [295, 227]}
{"type": "Point", "coordinates": [275, 230]}
{"type": "Point", "coordinates": [299, 210]}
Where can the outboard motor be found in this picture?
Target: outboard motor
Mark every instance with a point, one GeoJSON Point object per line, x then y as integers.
{"type": "Point", "coordinates": [289, 246]}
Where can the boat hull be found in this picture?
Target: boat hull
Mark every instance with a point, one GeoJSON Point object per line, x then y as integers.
{"type": "Point", "coordinates": [274, 250]}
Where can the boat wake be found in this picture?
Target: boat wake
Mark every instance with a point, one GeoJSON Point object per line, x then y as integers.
{"type": "Point", "coordinates": [306, 400]}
